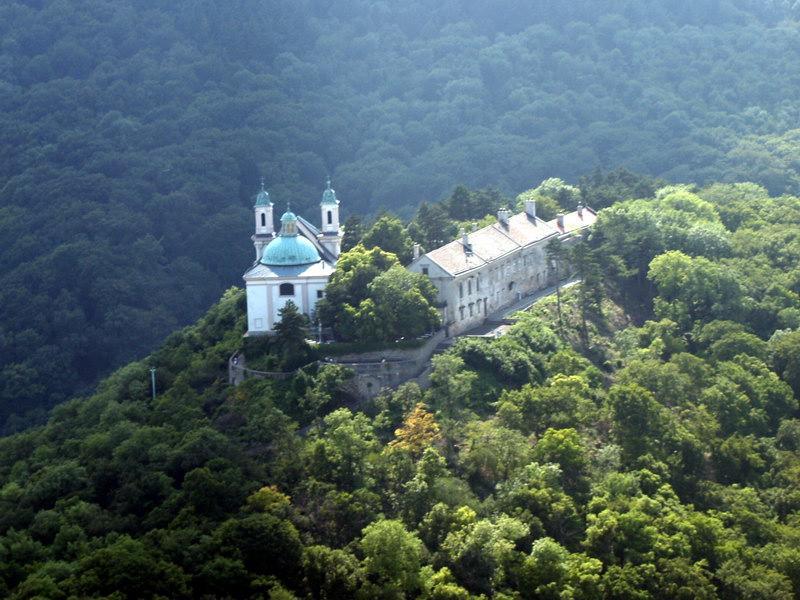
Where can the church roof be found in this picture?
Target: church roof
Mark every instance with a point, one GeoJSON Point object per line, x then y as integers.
{"type": "Point", "coordinates": [329, 195]}
{"type": "Point", "coordinates": [262, 198]}
{"type": "Point", "coordinates": [321, 268]}
{"type": "Point", "coordinates": [495, 241]}
{"type": "Point", "coordinates": [311, 232]}
{"type": "Point", "coordinates": [290, 250]}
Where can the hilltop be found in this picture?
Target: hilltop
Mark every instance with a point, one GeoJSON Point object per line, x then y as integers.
{"type": "Point", "coordinates": [641, 439]}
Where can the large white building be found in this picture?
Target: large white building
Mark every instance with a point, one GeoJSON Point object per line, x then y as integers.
{"type": "Point", "coordinates": [489, 269]}
{"type": "Point", "coordinates": [293, 265]}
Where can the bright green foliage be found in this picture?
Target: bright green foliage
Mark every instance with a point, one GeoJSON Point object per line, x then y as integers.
{"type": "Point", "coordinates": [451, 384]}
{"type": "Point", "coordinates": [370, 297]}
{"type": "Point", "coordinates": [552, 572]}
{"type": "Point", "coordinates": [331, 573]}
{"type": "Point", "coordinates": [490, 453]}
{"type": "Point", "coordinates": [483, 553]}
{"type": "Point", "coordinates": [535, 496]}
{"type": "Point", "coordinates": [340, 455]}
{"type": "Point", "coordinates": [565, 401]}
{"type": "Point", "coordinates": [399, 304]}
{"type": "Point", "coordinates": [392, 557]}
{"type": "Point", "coordinates": [785, 350]}
{"type": "Point", "coordinates": [693, 289]}
{"type": "Point", "coordinates": [658, 461]}
{"type": "Point", "coordinates": [389, 234]}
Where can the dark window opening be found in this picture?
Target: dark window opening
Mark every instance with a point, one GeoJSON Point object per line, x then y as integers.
{"type": "Point", "coordinates": [287, 289]}
{"type": "Point", "coordinates": [263, 220]}
{"type": "Point", "coordinates": [330, 217]}
{"type": "Point", "coordinates": [424, 270]}
{"type": "Point", "coordinates": [320, 293]}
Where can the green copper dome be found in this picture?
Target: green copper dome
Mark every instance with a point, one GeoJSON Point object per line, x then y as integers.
{"type": "Point", "coordinates": [329, 195]}
{"type": "Point", "coordinates": [289, 250]}
{"type": "Point", "coordinates": [262, 199]}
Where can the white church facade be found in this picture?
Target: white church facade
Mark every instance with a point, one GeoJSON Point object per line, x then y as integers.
{"type": "Point", "coordinates": [292, 265]}
{"type": "Point", "coordinates": [491, 268]}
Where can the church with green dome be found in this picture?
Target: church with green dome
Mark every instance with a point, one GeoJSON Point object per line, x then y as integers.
{"type": "Point", "coordinates": [293, 264]}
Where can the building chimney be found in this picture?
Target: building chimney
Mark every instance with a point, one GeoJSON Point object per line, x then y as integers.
{"type": "Point", "coordinates": [416, 251]}
{"type": "Point", "coordinates": [465, 241]}
{"type": "Point", "coordinates": [560, 220]}
{"type": "Point", "coordinates": [502, 216]}
{"type": "Point", "coordinates": [530, 209]}
{"type": "Point", "coordinates": [580, 210]}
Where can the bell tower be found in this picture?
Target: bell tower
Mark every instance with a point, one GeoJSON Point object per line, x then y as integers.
{"type": "Point", "coordinates": [331, 238]}
{"type": "Point", "coordinates": [265, 229]}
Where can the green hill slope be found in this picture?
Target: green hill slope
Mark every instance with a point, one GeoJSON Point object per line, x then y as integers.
{"type": "Point", "coordinates": [585, 457]}
{"type": "Point", "coordinates": [134, 133]}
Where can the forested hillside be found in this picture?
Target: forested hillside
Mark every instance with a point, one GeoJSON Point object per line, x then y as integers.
{"type": "Point", "coordinates": [133, 135]}
{"type": "Point", "coordinates": [579, 456]}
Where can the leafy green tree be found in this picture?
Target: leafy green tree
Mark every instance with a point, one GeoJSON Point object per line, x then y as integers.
{"type": "Point", "coordinates": [483, 554]}
{"type": "Point", "coordinates": [590, 290]}
{"type": "Point", "coordinates": [640, 422]}
{"type": "Point", "coordinates": [389, 234]}
{"type": "Point", "coordinates": [694, 289]}
{"type": "Point", "coordinates": [431, 226]}
{"type": "Point", "coordinates": [565, 448]}
{"type": "Point", "coordinates": [349, 286]}
{"type": "Point", "coordinates": [552, 572]}
{"type": "Point", "coordinates": [331, 573]}
{"type": "Point", "coordinates": [785, 350]}
{"type": "Point", "coordinates": [399, 304]}
{"type": "Point", "coordinates": [341, 454]}
{"type": "Point", "coordinates": [291, 332]}
{"type": "Point", "coordinates": [451, 385]}
{"type": "Point", "coordinates": [490, 453]}
{"type": "Point", "coordinates": [392, 556]}
{"type": "Point", "coordinates": [128, 567]}
{"type": "Point", "coordinates": [353, 232]}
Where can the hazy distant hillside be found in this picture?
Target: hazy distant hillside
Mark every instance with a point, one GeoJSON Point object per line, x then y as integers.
{"type": "Point", "coordinates": [132, 135]}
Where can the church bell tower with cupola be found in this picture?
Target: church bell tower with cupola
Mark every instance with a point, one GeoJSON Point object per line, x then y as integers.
{"type": "Point", "coordinates": [265, 229]}
{"type": "Point", "coordinates": [331, 237]}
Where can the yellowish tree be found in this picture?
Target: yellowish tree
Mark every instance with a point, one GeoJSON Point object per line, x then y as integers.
{"type": "Point", "coordinates": [418, 431]}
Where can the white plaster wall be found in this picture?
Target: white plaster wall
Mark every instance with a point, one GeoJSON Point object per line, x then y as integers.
{"type": "Point", "coordinates": [268, 228]}
{"type": "Point", "coordinates": [334, 224]}
{"type": "Point", "coordinates": [257, 312]}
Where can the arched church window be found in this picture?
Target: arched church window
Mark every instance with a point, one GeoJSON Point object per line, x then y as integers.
{"type": "Point", "coordinates": [287, 289]}
{"type": "Point", "coordinates": [330, 217]}
{"type": "Point", "coordinates": [263, 220]}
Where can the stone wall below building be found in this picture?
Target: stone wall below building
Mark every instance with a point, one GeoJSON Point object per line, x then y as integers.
{"type": "Point", "coordinates": [387, 369]}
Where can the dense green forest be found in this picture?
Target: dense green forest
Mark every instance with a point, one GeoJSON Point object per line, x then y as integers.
{"type": "Point", "coordinates": [133, 135]}
{"type": "Point", "coordinates": [640, 439]}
